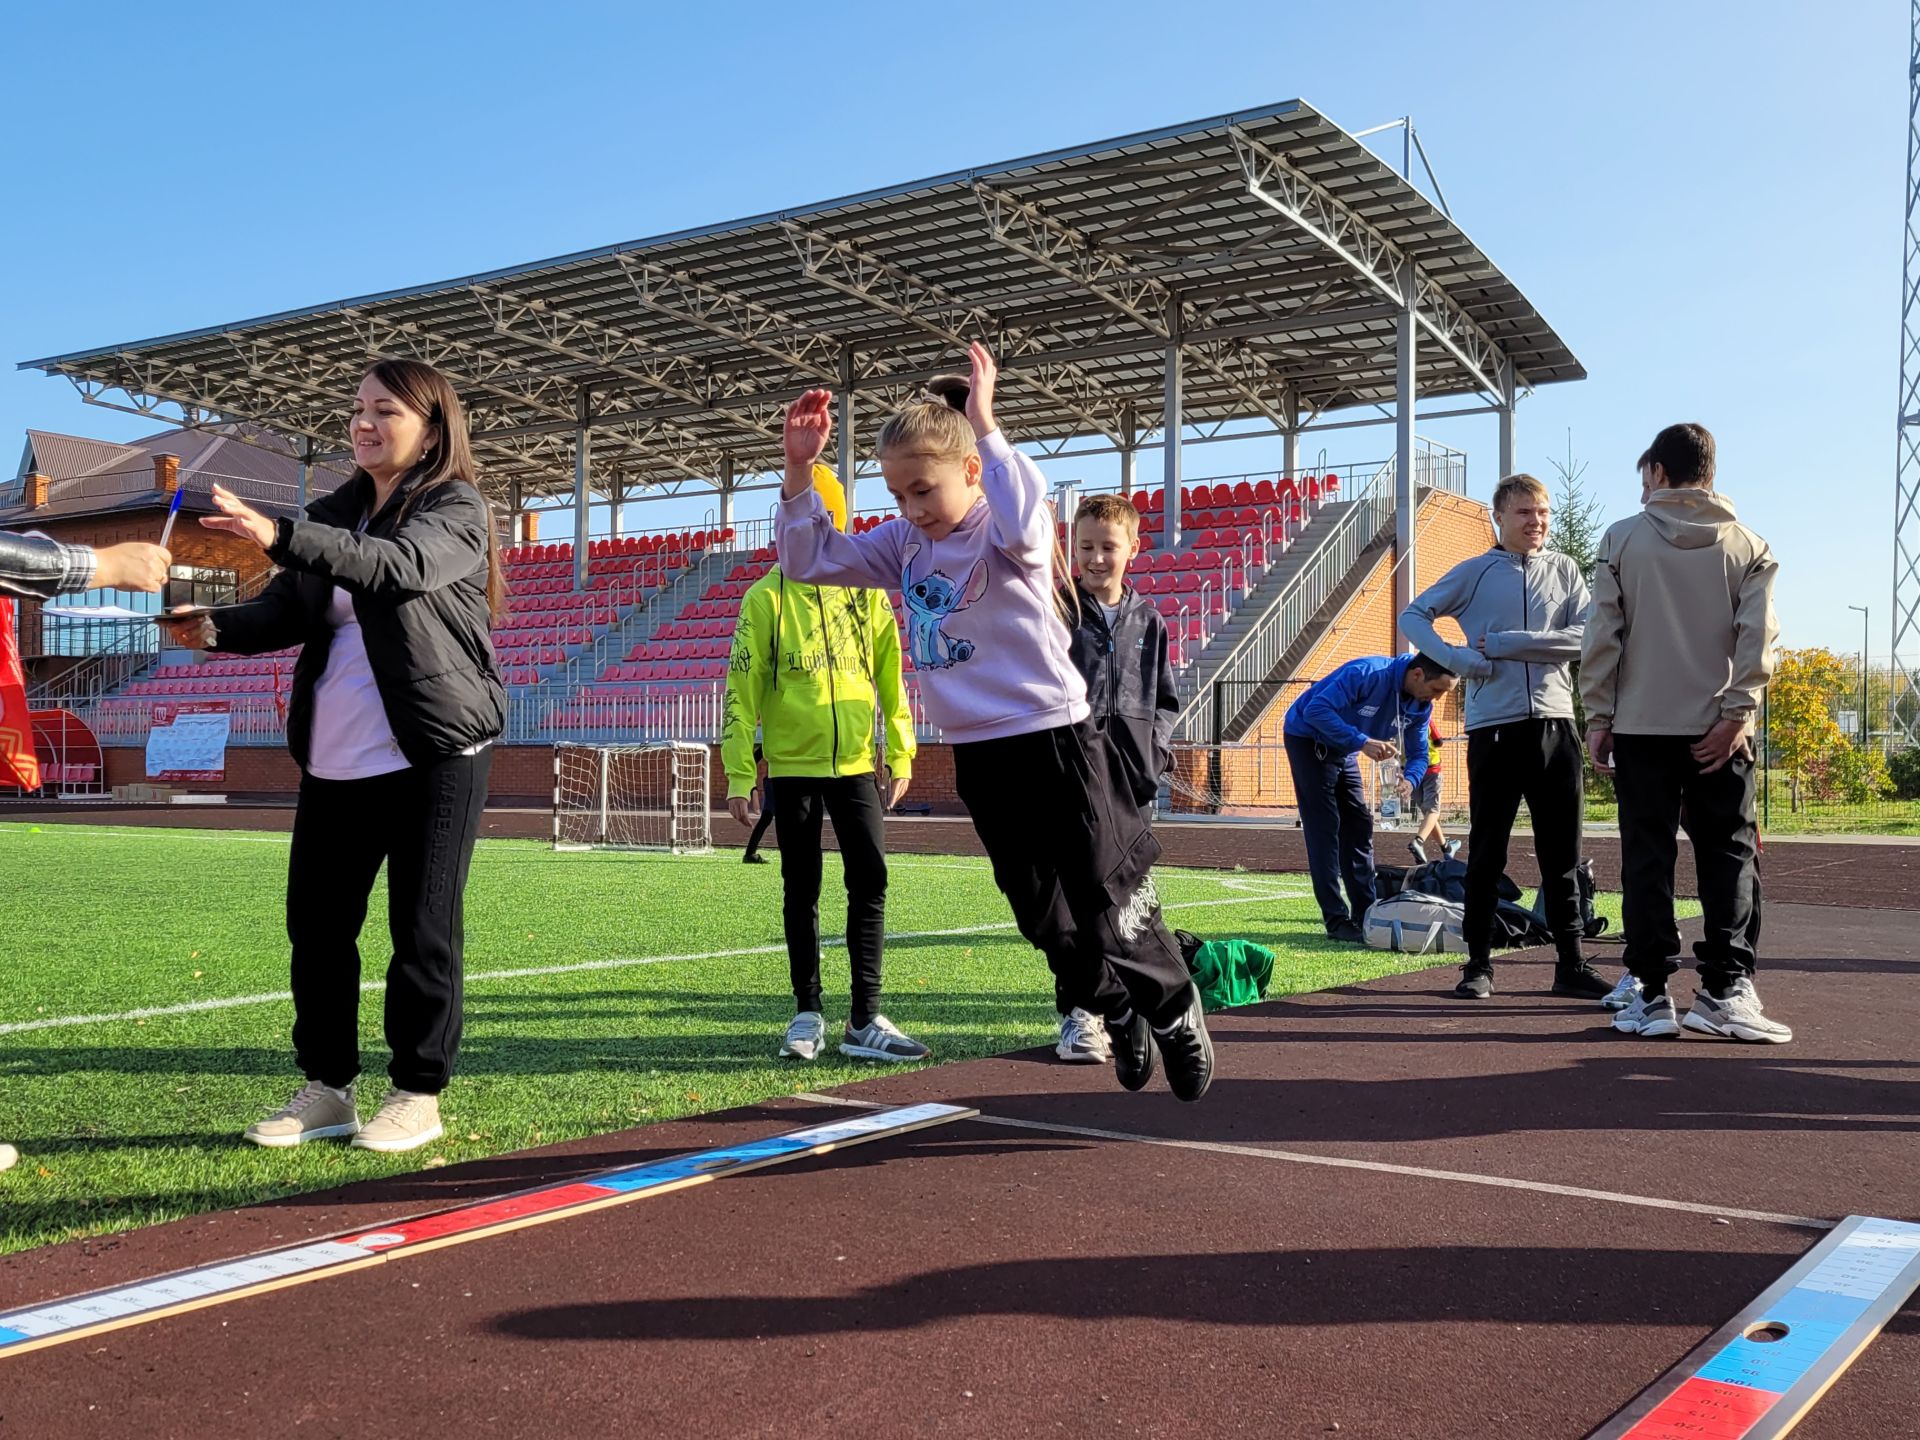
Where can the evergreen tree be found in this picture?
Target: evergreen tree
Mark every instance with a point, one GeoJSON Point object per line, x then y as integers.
{"type": "Point", "coordinates": [1576, 527]}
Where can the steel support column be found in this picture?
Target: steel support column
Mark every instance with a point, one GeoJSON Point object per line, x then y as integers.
{"type": "Point", "coordinates": [1507, 462]}
{"type": "Point", "coordinates": [306, 476]}
{"type": "Point", "coordinates": [1170, 422]}
{"type": "Point", "coordinates": [617, 499]}
{"type": "Point", "coordinates": [1405, 489]}
{"type": "Point", "coordinates": [726, 491]}
{"type": "Point", "coordinates": [846, 424]}
{"type": "Point", "coordinates": [1130, 435]}
{"type": "Point", "coordinates": [582, 495]}
{"type": "Point", "coordinates": [1290, 443]}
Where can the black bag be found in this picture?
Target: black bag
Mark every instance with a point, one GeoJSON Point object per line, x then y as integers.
{"type": "Point", "coordinates": [1388, 881]}
{"type": "Point", "coordinates": [1515, 928]}
{"type": "Point", "coordinates": [1591, 925]}
{"type": "Point", "coordinates": [1448, 880]}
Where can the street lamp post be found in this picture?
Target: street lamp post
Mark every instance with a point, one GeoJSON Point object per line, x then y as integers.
{"type": "Point", "coordinates": [1866, 730]}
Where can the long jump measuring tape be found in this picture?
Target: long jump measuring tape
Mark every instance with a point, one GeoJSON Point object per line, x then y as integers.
{"type": "Point", "coordinates": [59, 1321]}
{"type": "Point", "coordinates": [1756, 1376]}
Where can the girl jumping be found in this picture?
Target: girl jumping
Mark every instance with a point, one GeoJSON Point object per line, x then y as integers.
{"type": "Point", "coordinates": [978, 565]}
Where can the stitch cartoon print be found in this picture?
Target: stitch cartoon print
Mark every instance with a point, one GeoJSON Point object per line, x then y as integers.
{"type": "Point", "coordinates": [930, 601]}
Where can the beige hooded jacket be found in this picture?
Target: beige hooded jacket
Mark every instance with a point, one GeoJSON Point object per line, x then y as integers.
{"type": "Point", "coordinates": [1682, 629]}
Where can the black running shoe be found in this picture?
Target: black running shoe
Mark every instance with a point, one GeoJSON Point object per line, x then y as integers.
{"type": "Point", "coordinates": [1581, 980]}
{"type": "Point", "coordinates": [1132, 1052]}
{"type": "Point", "coordinates": [1350, 931]}
{"type": "Point", "coordinates": [1187, 1052]}
{"type": "Point", "coordinates": [1476, 980]}
{"type": "Point", "coordinates": [754, 858]}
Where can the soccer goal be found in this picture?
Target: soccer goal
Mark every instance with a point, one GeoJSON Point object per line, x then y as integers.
{"type": "Point", "coordinates": [632, 797]}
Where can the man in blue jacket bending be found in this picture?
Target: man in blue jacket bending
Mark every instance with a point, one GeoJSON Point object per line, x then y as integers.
{"type": "Point", "coordinates": [1375, 706]}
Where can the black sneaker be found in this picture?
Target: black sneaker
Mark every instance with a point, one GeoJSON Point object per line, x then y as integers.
{"type": "Point", "coordinates": [753, 859]}
{"type": "Point", "coordinates": [1187, 1052]}
{"type": "Point", "coordinates": [1476, 980]}
{"type": "Point", "coordinates": [1132, 1052]}
{"type": "Point", "coordinates": [1580, 980]}
{"type": "Point", "coordinates": [1350, 931]}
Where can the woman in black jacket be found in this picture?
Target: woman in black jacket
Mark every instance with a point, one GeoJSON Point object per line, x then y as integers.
{"type": "Point", "coordinates": [390, 585]}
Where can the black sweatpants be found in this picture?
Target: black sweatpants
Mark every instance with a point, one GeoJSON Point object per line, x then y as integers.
{"type": "Point", "coordinates": [1654, 775]}
{"type": "Point", "coordinates": [853, 803]}
{"type": "Point", "coordinates": [1074, 858]}
{"type": "Point", "coordinates": [1337, 824]}
{"type": "Point", "coordinates": [1543, 763]}
{"type": "Point", "coordinates": [762, 825]}
{"type": "Point", "coordinates": [422, 822]}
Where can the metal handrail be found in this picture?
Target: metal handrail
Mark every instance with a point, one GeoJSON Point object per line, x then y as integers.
{"type": "Point", "coordinates": [1261, 648]}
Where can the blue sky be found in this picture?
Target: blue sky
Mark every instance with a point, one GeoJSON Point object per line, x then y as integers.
{"type": "Point", "coordinates": [1704, 198]}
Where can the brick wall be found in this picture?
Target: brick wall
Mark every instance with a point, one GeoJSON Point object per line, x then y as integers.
{"type": "Point", "coordinates": [1452, 528]}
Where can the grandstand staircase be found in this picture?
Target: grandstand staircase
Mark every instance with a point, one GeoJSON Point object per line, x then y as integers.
{"type": "Point", "coordinates": [644, 621]}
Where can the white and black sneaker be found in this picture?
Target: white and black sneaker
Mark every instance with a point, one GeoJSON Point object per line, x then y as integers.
{"type": "Point", "coordinates": [806, 1036]}
{"type": "Point", "coordinates": [1083, 1039]}
{"type": "Point", "coordinates": [1650, 1019]}
{"type": "Point", "coordinates": [880, 1039]}
{"type": "Point", "coordinates": [1737, 1017]}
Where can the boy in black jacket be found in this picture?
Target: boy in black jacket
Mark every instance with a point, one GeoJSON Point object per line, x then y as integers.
{"type": "Point", "coordinates": [1120, 645]}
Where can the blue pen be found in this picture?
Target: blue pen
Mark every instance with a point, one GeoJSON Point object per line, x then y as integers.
{"type": "Point", "coordinates": [173, 512]}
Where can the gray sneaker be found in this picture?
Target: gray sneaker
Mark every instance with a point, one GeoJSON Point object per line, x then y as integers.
{"type": "Point", "coordinates": [806, 1036]}
{"type": "Point", "coordinates": [1650, 1019]}
{"type": "Point", "coordinates": [406, 1121]}
{"type": "Point", "coordinates": [1621, 996]}
{"type": "Point", "coordinates": [317, 1112]}
{"type": "Point", "coordinates": [880, 1039]}
{"type": "Point", "coordinates": [1738, 1017]}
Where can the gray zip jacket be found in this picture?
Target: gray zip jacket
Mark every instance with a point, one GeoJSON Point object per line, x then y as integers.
{"type": "Point", "coordinates": [1533, 611]}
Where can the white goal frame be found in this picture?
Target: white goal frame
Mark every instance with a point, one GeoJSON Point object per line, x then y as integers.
{"type": "Point", "coordinates": [605, 799]}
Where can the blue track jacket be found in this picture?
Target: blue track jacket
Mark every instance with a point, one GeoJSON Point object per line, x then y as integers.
{"type": "Point", "coordinates": [1363, 700]}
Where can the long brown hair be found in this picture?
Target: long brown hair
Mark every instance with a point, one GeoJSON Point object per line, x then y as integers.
{"type": "Point", "coordinates": [428, 393]}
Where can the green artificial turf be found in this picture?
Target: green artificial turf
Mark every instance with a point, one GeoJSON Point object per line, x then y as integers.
{"type": "Point", "coordinates": [666, 994]}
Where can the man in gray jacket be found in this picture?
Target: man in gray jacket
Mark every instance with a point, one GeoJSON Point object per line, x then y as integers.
{"type": "Point", "coordinates": [1521, 608]}
{"type": "Point", "coordinates": [1676, 656]}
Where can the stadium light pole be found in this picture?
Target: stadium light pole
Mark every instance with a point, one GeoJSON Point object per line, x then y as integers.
{"type": "Point", "coordinates": [1866, 730]}
{"type": "Point", "coordinates": [1903, 718]}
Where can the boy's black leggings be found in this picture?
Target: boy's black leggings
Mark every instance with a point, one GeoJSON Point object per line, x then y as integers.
{"type": "Point", "coordinates": [1074, 857]}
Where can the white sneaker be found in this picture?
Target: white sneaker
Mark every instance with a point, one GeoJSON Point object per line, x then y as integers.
{"type": "Point", "coordinates": [406, 1121]}
{"type": "Point", "coordinates": [806, 1035]}
{"type": "Point", "coordinates": [317, 1112]}
{"type": "Point", "coordinates": [1083, 1039]}
{"type": "Point", "coordinates": [881, 1039]}
{"type": "Point", "coordinates": [1738, 1017]}
{"type": "Point", "coordinates": [1452, 847]}
{"type": "Point", "coordinates": [1649, 1019]}
{"type": "Point", "coordinates": [1622, 995]}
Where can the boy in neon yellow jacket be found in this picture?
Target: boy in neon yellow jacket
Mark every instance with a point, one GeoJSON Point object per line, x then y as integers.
{"type": "Point", "coordinates": [812, 667]}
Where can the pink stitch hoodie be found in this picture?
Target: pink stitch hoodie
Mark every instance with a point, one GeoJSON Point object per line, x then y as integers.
{"type": "Point", "coordinates": [982, 631]}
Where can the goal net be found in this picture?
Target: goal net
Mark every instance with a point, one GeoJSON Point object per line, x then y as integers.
{"type": "Point", "coordinates": [632, 797]}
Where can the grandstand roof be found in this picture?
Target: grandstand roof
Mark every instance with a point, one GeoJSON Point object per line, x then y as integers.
{"type": "Point", "coordinates": [1278, 247]}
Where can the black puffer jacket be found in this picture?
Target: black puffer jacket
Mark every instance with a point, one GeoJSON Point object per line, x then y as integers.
{"type": "Point", "coordinates": [419, 588]}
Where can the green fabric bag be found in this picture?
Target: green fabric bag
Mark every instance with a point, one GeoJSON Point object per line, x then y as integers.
{"type": "Point", "coordinates": [1227, 972]}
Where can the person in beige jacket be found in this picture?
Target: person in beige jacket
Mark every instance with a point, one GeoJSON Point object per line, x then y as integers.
{"type": "Point", "coordinates": [1677, 651]}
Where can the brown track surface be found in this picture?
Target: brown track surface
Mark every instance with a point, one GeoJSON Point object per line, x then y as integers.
{"type": "Point", "coordinates": [984, 1280]}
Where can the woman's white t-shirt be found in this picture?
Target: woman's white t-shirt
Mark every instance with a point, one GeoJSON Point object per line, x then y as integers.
{"type": "Point", "coordinates": [351, 737]}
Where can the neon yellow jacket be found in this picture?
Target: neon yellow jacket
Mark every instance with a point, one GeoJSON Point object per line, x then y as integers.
{"type": "Point", "coordinates": [810, 665]}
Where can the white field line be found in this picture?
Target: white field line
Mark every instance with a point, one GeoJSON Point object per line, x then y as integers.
{"type": "Point", "coordinates": [229, 1002]}
{"type": "Point", "coordinates": [1381, 1167]}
